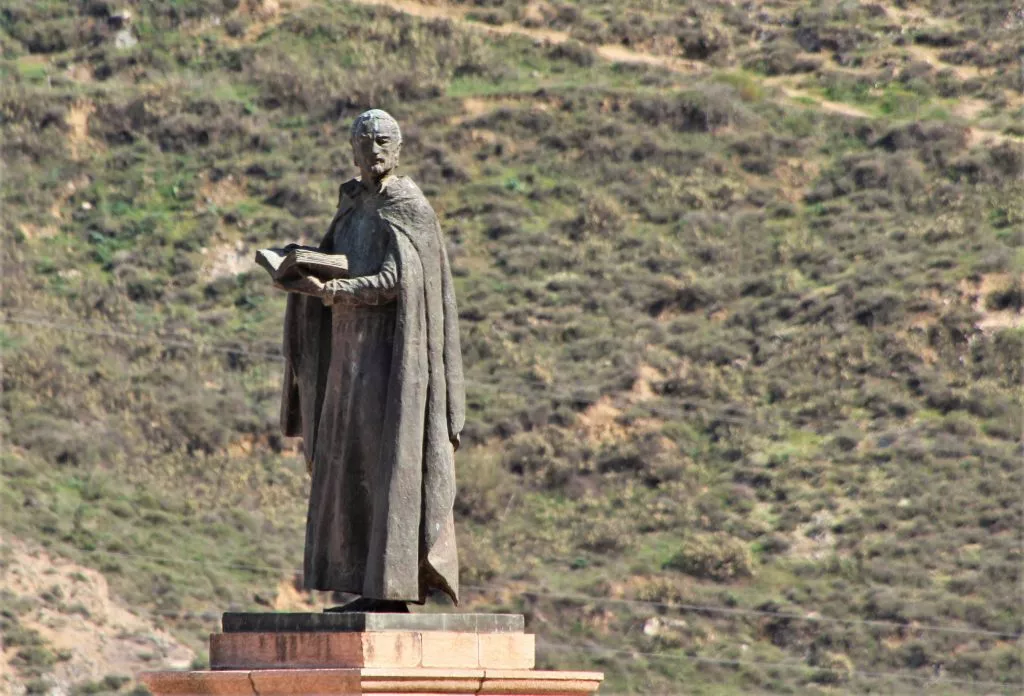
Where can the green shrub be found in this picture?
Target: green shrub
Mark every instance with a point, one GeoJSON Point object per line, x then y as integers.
{"type": "Point", "coordinates": [485, 488]}
{"type": "Point", "coordinates": [35, 656]}
{"type": "Point", "coordinates": [715, 556]}
{"type": "Point", "coordinates": [38, 686]}
{"type": "Point", "coordinates": [781, 292]}
{"type": "Point", "coordinates": [1010, 297]}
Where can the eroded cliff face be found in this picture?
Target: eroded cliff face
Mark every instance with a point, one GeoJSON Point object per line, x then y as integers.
{"type": "Point", "coordinates": [61, 627]}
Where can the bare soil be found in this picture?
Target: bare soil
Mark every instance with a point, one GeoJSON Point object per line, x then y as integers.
{"type": "Point", "coordinates": [73, 611]}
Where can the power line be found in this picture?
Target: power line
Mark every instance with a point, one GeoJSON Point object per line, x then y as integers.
{"type": "Point", "coordinates": [182, 343]}
{"type": "Point", "coordinates": [762, 613]}
{"type": "Point", "coordinates": [681, 607]}
{"type": "Point", "coordinates": [576, 597]}
{"type": "Point", "coordinates": [664, 655]}
{"type": "Point", "coordinates": [175, 342]}
{"type": "Point", "coordinates": [154, 338]}
{"type": "Point", "coordinates": [215, 564]}
{"type": "Point", "coordinates": [774, 665]}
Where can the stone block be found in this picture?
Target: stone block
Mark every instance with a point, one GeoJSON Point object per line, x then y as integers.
{"type": "Point", "coordinates": [275, 622]}
{"type": "Point", "coordinates": [507, 651]}
{"type": "Point", "coordinates": [450, 649]}
{"type": "Point", "coordinates": [391, 649]}
{"type": "Point", "coordinates": [305, 681]}
{"type": "Point", "coordinates": [294, 650]}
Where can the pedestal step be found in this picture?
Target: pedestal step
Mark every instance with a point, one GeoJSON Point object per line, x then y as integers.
{"type": "Point", "coordinates": [353, 654]}
{"type": "Point", "coordinates": [401, 649]}
{"type": "Point", "coordinates": [354, 682]}
{"type": "Point", "coordinates": [340, 622]}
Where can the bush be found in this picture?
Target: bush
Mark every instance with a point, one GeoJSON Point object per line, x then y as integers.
{"type": "Point", "coordinates": [574, 52]}
{"type": "Point", "coordinates": [934, 143]}
{"type": "Point", "coordinates": [485, 488]}
{"type": "Point", "coordinates": [35, 656]}
{"type": "Point", "coordinates": [715, 556]}
{"type": "Point", "coordinates": [705, 109]}
{"type": "Point", "coordinates": [780, 57]}
{"type": "Point", "coordinates": [853, 173]}
{"type": "Point", "coordinates": [294, 195]}
{"type": "Point", "coordinates": [236, 27]}
{"type": "Point", "coordinates": [38, 686]}
{"type": "Point", "coordinates": [1007, 298]}
{"type": "Point", "coordinates": [778, 266]}
{"type": "Point", "coordinates": [111, 683]}
{"type": "Point", "coordinates": [605, 535]}
{"type": "Point", "coordinates": [479, 561]}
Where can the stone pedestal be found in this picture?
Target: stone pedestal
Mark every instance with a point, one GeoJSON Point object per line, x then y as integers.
{"type": "Point", "coordinates": [372, 654]}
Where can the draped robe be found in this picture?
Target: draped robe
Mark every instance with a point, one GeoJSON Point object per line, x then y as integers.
{"type": "Point", "coordinates": [374, 386]}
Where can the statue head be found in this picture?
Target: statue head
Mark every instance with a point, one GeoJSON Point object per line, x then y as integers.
{"type": "Point", "coordinates": [376, 142]}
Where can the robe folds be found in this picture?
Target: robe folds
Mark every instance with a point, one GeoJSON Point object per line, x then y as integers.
{"type": "Point", "coordinates": [377, 395]}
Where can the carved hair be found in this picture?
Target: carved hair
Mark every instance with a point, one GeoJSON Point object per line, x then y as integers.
{"type": "Point", "coordinates": [376, 119]}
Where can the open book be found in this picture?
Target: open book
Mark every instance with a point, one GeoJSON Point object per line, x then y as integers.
{"type": "Point", "coordinates": [295, 261]}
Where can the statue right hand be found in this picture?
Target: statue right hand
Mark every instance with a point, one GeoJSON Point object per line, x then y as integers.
{"type": "Point", "coordinates": [307, 285]}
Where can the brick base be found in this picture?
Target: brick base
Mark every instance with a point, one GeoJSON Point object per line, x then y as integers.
{"type": "Point", "coordinates": [401, 649]}
{"type": "Point", "coordinates": [314, 654]}
{"type": "Point", "coordinates": [353, 682]}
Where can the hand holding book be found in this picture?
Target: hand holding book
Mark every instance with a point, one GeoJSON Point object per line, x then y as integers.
{"type": "Point", "coordinates": [307, 285]}
{"type": "Point", "coordinates": [301, 269]}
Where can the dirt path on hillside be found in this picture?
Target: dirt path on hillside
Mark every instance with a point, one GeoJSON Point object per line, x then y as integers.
{"type": "Point", "coordinates": [621, 54]}
{"type": "Point", "coordinates": [797, 95]}
{"type": "Point", "coordinates": [610, 52]}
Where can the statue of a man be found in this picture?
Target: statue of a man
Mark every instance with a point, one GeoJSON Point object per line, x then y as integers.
{"type": "Point", "coordinates": [373, 384]}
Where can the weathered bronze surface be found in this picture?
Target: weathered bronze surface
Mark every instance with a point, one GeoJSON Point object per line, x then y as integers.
{"type": "Point", "coordinates": [373, 384]}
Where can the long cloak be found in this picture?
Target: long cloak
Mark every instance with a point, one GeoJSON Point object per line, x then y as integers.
{"type": "Point", "coordinates": [412, 531]}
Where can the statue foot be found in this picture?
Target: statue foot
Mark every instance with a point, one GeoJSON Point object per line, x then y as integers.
{"type": "Point", "coordinates": [367, 605]}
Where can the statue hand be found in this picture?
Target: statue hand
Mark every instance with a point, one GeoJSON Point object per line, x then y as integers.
{"type": "Point", "coordinates": [306, 285]}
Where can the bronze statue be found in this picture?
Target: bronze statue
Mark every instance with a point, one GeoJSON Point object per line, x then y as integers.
{"type": "Point", "coordinates": [373, 384]}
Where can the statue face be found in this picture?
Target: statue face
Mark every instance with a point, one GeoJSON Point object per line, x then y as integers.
{"type": "Point", "coordinates": [375, 148]}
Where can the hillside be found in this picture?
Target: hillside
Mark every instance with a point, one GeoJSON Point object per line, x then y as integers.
{"type": "Point", "coordinates": [60, 609]}
{"type": "Point", "coordinates": [741, 306]}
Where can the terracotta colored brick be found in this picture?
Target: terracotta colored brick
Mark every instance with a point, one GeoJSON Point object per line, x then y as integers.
{"type": "Point", "coordinates": [192, 683]}
{"type": "Point", "coordinates": [507, 650]}
{"type": "Point", "coordinates": [293, 650]}
{"type": "Point", "coordinates": [355, 682]}
{"type": "Point", "coordinates": [443, 649]}
{"type": "Point", "coordinates": [517, 682]}
{"type": "Point", "coordinates": [291, 682]}
{"type": "Point", "coordinates": [392, 685]}
{"type": "Point", "coordinates": [537, 686]}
